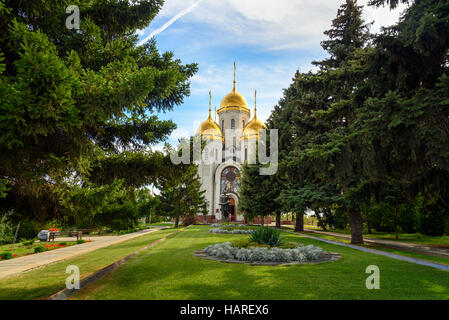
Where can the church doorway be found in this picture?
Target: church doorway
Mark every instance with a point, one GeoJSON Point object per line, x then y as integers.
{"type": "Point", "coordinates": [233, 209]}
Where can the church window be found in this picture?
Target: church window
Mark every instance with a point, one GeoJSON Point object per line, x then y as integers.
{"type": "Point", "coordinates": [232, 124]}
{"type": "Point", "coordinates": [230, 178]}
{"type": "Point", "coordinates": [222, 125]}
{"type": "Point", "coordinates": [246, 154]}
{"type": "Point", "coordinates": [206, 155]}
{"type": "Point", "coordinates": [243, 123]}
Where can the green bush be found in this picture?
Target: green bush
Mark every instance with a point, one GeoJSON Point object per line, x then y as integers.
{"type": "Point", "coordinates": [26, 242]}
{"type": "Point", "coordinates": [28, 230]}
{"type": "Point", "coordinates": [6, 230]}
{"type": "Point", "coordinates": [6, 255]}
{"type": "Point", "coordinates": [81, 241]}
{"type": "Point", "coordinates": [63, 243]}
{"type": "Point", "coordinates": [266, 236]}
{"type": "Point", "coordinates": [40, 249]}
{"type": "Point", "coordinates": [188, 221]}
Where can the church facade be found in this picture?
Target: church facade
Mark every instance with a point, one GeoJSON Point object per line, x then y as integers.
{"type": "Point", "coordinates": [230, 141]}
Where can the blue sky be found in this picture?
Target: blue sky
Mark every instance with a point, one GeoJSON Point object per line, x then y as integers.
{"type": "Point", "coordinates": [268, 39]}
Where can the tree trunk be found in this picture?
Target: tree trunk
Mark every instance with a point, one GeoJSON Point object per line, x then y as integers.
{"type": "Point", "coordinates": [396, 228]}
{"type": "Point", "coordinates": [262, 220]}
{"type": "Point", "coordinates": [299, 227]}
{"type": "Point", "coordinates": [177, 220]}
{"type": "Point", "coordinates": [278, 220]}
{"type": "Point", "coordinates": [15, 236]}
{"type": "Point", "coordinates": [356, 226]}
{"type": "Point", "coordinates": [321, 223]}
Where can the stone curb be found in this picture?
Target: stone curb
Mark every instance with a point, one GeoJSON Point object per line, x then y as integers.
{"type": "Point", "coordinates": [65, 294]}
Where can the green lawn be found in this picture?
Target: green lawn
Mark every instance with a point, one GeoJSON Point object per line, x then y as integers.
{"type": "Point", "coordinates": [46, 281]}
{"type": "Point", "coordinates": [395, 251]}
{"type": "Point", "coordinates": [442, 241]}
{"type": "Point", "coordinates": [162, 224]}
{"type": "Point", "coordinates": [170, 271]}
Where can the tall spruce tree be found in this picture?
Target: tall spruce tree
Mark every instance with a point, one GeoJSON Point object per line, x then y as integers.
{"type": "Point", "coordinates": [180, 193]}
{"type": "Point", "coordinates": [322, 166]}
{"type": "Point", "coordinates": [71, 101]}
{"type": "Point", "coordinates": [258, 193]}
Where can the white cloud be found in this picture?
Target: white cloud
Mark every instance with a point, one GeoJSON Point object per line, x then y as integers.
{"type": "Point", "coordinates": [274, 24]}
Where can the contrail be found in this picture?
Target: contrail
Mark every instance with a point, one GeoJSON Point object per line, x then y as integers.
{"type": "Point", "coordinates": [170, 22]}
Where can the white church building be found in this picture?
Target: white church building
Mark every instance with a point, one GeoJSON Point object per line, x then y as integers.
{"type": "Point", "coordinates": [230, 142]}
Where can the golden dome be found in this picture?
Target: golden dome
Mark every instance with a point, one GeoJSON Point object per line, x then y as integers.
{"type": "Point", "coordinates": [209, 129]}
{"type": "Point", "coordinates": [251, 130]}
{"type": "Point", "coordinates": [234, 101]}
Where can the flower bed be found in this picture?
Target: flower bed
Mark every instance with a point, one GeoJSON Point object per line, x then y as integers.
{"type": "Point", "coordinates": [300, 254]}
{"type": "Point", "coordinates": [38, 248]}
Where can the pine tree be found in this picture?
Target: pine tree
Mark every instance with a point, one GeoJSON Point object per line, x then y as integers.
{"type": "Point", "coordinates": [71, 101]}
{"type": "Point", "coordinates": [180, 193]}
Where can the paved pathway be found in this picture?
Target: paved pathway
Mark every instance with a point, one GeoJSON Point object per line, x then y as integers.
{"type": "Point", "coordinates": [15, 266]}
{"type": "Point", "coordinates": [406, 246]}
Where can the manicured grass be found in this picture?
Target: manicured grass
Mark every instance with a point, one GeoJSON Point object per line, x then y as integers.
{"type": "Point", "coordinates": [395, 251]}
{"type": "Point", "coordinates": [21, 250]}
{"type": "Point", "coordinates": [162, 224]}
{"type": "Point", "coordinates": [48, 280]}
{"type": "Point", "coordinates": [170, 271]}
{"type": "Point", "coordinates": [442, 241]}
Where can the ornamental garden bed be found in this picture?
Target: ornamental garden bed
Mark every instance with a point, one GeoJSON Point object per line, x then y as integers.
{"type": "Point", "coordinates": [30, 247]}
{"type": "Point", "coordinates": [265, 247]}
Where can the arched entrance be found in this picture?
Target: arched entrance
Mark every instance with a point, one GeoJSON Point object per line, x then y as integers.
{"type": "Point", "coordinates": [227, 178]}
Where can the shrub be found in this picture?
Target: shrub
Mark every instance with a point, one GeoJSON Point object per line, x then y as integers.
{"type": "Point", "coordinates": [263, 254]}
{"type": "Point", "coordinates": [28, 230]}
{"type": "Point", "coordinates": [6, 255]}
{"type": "Point", "coordinates": [63, 243]}
{"type": "Point", "coordinates": [128, 231]}
{"type": "Point", "coordinates": [80, 241]}
{"type": "Point", "coordinates": [188, 221]}
{"type": "Point", "coordinates": [6, 230]}
{"type": "Point", "coordinates": [27, 243]}
{"type": "Point", "coordinates": [266, 235]}
{"type": "Point", "coordinates": [40, 249]}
